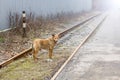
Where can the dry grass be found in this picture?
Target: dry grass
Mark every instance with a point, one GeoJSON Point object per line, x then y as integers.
{"type": "Point", "coordinates": [36, 27]}
{"type": "Point", "coordinates": [27, 69]}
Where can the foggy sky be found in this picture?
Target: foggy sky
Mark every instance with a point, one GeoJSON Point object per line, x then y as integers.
{"type": "Point", "coordinates": [41, 7]}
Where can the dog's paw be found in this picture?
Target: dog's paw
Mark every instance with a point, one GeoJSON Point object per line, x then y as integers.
{"type": "Point", "coordinates": [49, 60]}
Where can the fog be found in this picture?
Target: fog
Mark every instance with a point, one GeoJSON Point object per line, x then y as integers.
{"type": "Point", "coordinates": [45, 6]}
{"type": "Point", "coordinates": [39, 7]}
{"type": "Point", "coordinates": [106, 4]}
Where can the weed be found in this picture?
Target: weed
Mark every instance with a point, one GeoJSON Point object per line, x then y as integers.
{"type": "Point", "coordinates": [2, 39]}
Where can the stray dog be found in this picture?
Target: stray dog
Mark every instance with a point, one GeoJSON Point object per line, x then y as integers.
{"type": "Point", "coordinates": [47, 44]}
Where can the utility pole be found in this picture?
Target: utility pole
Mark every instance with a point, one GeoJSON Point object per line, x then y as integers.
{"type": "Point", "coordinates": [24, 23]}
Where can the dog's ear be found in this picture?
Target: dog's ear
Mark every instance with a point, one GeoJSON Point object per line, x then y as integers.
{"type": "Point", "coordinates": [53, 35]}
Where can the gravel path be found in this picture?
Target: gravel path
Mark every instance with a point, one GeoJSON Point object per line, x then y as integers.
{"type": "Point", "coordinates": [75, 37]}
{"type": "Point", "coordinates": [77, 67]}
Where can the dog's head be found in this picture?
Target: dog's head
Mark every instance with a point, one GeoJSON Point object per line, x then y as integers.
{"type": "Point", "coordinates": [55, 37]}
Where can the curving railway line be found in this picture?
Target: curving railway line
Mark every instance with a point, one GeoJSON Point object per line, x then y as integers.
{"type": "Point", "coordinates": [70, 38]}
{"type": "Point", "coordinates": [61, 34]}
{"type": "Point", "coordinates": [76, 50]}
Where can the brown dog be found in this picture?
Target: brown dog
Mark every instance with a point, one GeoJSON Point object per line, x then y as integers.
{"type": "Point", "coordinates": [47, 44]}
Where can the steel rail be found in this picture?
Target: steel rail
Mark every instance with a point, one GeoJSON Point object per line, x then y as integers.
{"type": "Point", "coordinates": [61, 34]}
{"type": "Point", "coordinates": [75, 51]}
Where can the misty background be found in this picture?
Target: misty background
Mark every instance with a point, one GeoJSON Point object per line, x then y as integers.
{"type": "Point", "coordinates": [47, 7]}
{"type": "Point", "coordinates": [40, 7]}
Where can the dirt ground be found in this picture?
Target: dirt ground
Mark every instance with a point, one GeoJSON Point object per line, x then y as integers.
{"type": "Point", "coordinates": [26, 68]}
{"type": "Point", "coordinates": [99, 57]}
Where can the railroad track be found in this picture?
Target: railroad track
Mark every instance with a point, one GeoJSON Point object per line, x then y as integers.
{"type": "Point", "coordinates": [75, 51]}
{"type": "Point", "coordinates": [30, 49]}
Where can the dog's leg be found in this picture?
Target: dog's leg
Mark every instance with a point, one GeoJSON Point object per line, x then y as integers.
{"type": "Point", "coordinates": [50, 53]}
{"type": "Point", "coordinates": [35, 55]}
